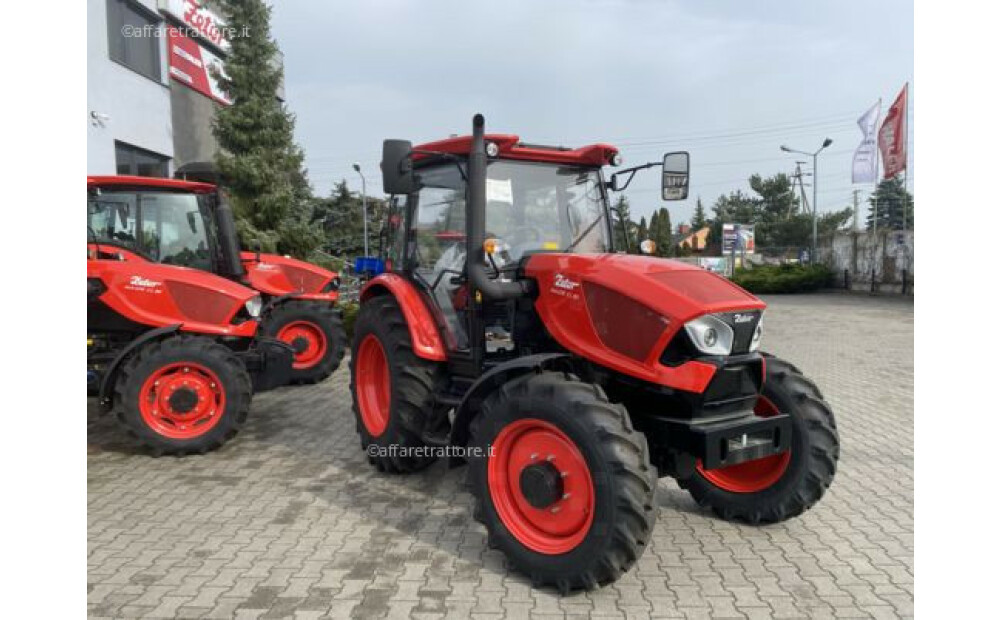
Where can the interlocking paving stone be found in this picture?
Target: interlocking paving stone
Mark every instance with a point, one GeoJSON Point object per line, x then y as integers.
{"type": "Point", "coordinates": [289, 520]}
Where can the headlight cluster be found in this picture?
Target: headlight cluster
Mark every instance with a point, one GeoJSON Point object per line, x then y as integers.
{"type": "Point", "coordinates": [712, 335]}
{"type": "Point", "coordinates": [253, 306]}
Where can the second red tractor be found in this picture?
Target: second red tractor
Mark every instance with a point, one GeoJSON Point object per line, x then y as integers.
{"type": "Point", "coordinates": [189, 223]}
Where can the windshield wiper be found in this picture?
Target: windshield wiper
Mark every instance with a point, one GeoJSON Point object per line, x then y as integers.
{"type": "Point", "coordinates": [585, 232]}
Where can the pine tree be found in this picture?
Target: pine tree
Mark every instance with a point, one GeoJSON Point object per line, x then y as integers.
{"type": "Point", "coordinates": [643, 231]}
{"type": "Point", "coordinates": [894, 203]}
{"type": "Point", "coordinates": [260, 164]}
{"type": "Point", "coordinates": [665, 234]}
{"type": "Point", "coordinates": [699, 220]}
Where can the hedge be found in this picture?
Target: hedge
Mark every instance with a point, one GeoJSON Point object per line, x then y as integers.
{"type": "Point", "coordinates": [787, 278]}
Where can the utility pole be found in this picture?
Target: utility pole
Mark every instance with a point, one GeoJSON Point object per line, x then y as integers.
{"type": "Point", "coordinates": [364, 204]}
{"type": "Point", "coordinates": [856, 192]}
{"type": "Point", "coordinates": [815, 205]}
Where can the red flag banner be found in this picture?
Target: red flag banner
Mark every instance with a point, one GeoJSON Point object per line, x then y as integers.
{"type": "Point", "coordinates": [892, 136]}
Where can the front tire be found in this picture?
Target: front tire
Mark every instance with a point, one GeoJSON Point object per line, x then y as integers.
{"type": "Point", "coordinates": [392, 388]}
{"type": "Point", "coordinates": [316, 332]}
{"type": "Point", "coordinates": [782, 486]}
{"type": "Point", "coordinates": [183, 395]}
{"type": "Point", "coordinates": [568, 493]}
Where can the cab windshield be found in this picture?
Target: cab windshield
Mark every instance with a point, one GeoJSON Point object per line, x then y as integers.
{"type": "Point", "coordinates": [167, 227]}
{"type": "Point", "coordinates": [531, 207]}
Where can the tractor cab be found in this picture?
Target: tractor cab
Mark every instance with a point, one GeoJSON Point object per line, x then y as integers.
{"type": "Point", "coordinates": [537, 200]}
{"type": "Point", "coordinates": [161, 220]}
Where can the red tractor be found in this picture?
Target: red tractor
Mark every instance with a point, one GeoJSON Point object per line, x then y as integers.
{"type": "Point", "coordinates": [175, 352]}
{"type": "Point", "coordinates": [510, 333]}
{"type": "Point", "coordinates": [189, 223]}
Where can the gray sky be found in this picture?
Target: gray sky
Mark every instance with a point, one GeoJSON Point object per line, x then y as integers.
{"type": "Point", "coordinates": [727, 81]}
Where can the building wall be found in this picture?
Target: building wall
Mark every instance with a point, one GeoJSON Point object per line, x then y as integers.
{"type": "Point", "coordinates": [137, 108]}
{"type": "Point", "coordinates": [192, 117]}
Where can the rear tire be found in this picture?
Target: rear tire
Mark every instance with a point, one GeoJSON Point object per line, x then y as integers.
{"type": "Point", "coordinates": [553, 422]}
{"type": "Point", "coordinates": [807, 471]}
{"type": "Point", "coordinates": [397, 415]}
{"type": "Point", "coordinates": [317, 331]}
{"type": "Point", "coordinates": [183, 395]}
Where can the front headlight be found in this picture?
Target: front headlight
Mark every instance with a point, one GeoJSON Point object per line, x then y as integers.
{"type": "Point", "coordinates": [710, 334]}
{"type": "Point", "coordinates": [253, 306]}
{"type": "Point", "coordinates": [758, 333]}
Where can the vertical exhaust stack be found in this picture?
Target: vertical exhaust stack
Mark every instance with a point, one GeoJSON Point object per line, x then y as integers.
{"type": "Point", "coordinates": [476, 261]}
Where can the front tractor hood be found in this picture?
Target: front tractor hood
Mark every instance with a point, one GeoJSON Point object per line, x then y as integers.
{"type": "Point", "coordinates": [620, 311]}
{"type": "Point", "coordinates": [676, 290]}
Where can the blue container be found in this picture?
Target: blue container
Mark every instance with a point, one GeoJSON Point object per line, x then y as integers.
{"type": "Point", "coordinates": [369, 265]}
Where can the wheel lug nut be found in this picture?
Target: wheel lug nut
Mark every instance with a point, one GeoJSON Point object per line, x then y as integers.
{"type": "Point", "coordinates": [534, 456]}
{"type": "Point", "coordinates": [554, 510]}
{"type": "Point", "coordinates": [565, 496]}
{"type": "Point", "coordinates": [563, 474]}
{"type": "Point", "coordinates": [550, 458]}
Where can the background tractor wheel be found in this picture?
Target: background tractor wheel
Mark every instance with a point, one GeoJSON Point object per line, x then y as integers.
{"type": "Point", "coordinates": [393, 389]}
{"type": "Point", "coordinates": [316, 332]}
{"type": "Point", "coordinates": [782, 486]}
{"type": "Point", "coordinates": [564, 486]}
{"type": "Point", "coordinates": [183, 395]}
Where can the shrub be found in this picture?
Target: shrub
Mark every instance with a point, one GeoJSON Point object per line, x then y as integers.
{"type": "Point", "coordinates": [350, 311]}
{"type": "Point", "coordinates": [787, 278]}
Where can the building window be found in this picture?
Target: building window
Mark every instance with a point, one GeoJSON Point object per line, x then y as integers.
{"type": "Point", "coordinates": [132, 38]}
{"type": "Point", "coordinates": [134, 161]}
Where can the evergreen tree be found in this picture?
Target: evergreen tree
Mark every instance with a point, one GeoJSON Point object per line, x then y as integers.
{"type": "Point", "coordinates": [894, 203]}
{"type": "Point", "coordinates": [623, 226]}
{"type": "Point", "coordinates": [643, 230]}
{"type": "Point", "coordinates": [260, 164]}
{"type": "Point", "coordinates": [662, 233]}
{"type": "Point", "coordinates": [699, 220]}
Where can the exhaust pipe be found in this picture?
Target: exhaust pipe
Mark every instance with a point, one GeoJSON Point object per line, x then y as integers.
{"type": "Point", "coordinates": [228, 236]}
{"type": "Point", "coordinates": [476, 261]}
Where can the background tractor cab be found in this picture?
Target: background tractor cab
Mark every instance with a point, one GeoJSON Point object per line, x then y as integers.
{"type": "Point", "coordinates": [509, 324]}
{"type": "Point", "coordinates": [189, 223]}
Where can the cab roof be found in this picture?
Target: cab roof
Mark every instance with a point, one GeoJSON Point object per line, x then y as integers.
{"type": "Point", "coordinates": [511, 147]}
{"type": "Point", "coordinates": [149, 182]}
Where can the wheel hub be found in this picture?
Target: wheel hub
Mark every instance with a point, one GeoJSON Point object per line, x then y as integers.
{"type": "Point", "coordinates": [308, 341]}
{"type": "Point", "coordinates": [300, 344]}
{"type": "Point", "coordinates": [541, 484]}
{"type": "Point", "coordinates": [183, 400]}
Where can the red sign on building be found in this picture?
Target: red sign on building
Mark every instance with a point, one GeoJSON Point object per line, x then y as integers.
{"type": "Point", "coordinates": [192, 65]}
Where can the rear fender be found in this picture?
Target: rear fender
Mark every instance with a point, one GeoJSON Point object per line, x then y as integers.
{"type": "Point", "coordinates": [424, 334]}
{"type": "Point", "coordinates": [490, 382]}
{"type": "Point", "coordinates": [111, 376]}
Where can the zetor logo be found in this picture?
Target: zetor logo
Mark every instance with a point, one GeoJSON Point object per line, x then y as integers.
{"type": "Point", "coordinates": [143, 283]}
{"type": "Point", "coordinates": [565, 283]}
{"type": "Point", "coordinates": [742, 318]}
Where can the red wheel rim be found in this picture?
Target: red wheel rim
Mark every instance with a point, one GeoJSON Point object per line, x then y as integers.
{"type": "Point", "coordinates": [373, 385]}
{"type": "Point", "coordinates": [751, 476]}
{"type": "Point", "coordinates": [554, 529]}
{"type": "Point", "coordinates": [182, 400]}
{"type": "Point", "coordinates": [309, 342]}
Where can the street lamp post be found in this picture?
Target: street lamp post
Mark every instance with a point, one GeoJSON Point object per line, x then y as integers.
{"type": "Point", "coordinates": [364, 203]}
{"type": "Point", "coordinates": [826, 143]}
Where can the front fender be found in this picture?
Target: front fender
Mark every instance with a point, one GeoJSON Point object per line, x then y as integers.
{"type": "Point", "coordinates": [424, 332]}
{"type": "Point", "coordinates": [492, 380]}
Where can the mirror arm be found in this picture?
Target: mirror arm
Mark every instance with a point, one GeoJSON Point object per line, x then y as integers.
{"type": "Point", "coordinates": [631, 175]}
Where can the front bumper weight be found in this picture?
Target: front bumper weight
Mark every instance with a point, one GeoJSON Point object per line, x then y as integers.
{"type": "Point", "coordinates": [734, 440]}
{"type": "Point", "coordinates": [269, 363]}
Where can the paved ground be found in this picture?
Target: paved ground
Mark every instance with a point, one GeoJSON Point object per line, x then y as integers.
{"type": "Point", "coordinates": [289, 520]}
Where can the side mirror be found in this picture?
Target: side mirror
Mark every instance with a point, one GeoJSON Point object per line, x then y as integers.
{"type": "Point", "coordinates": [676, 167]}
{"type": "Point", "coordinates": [397, 167]}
